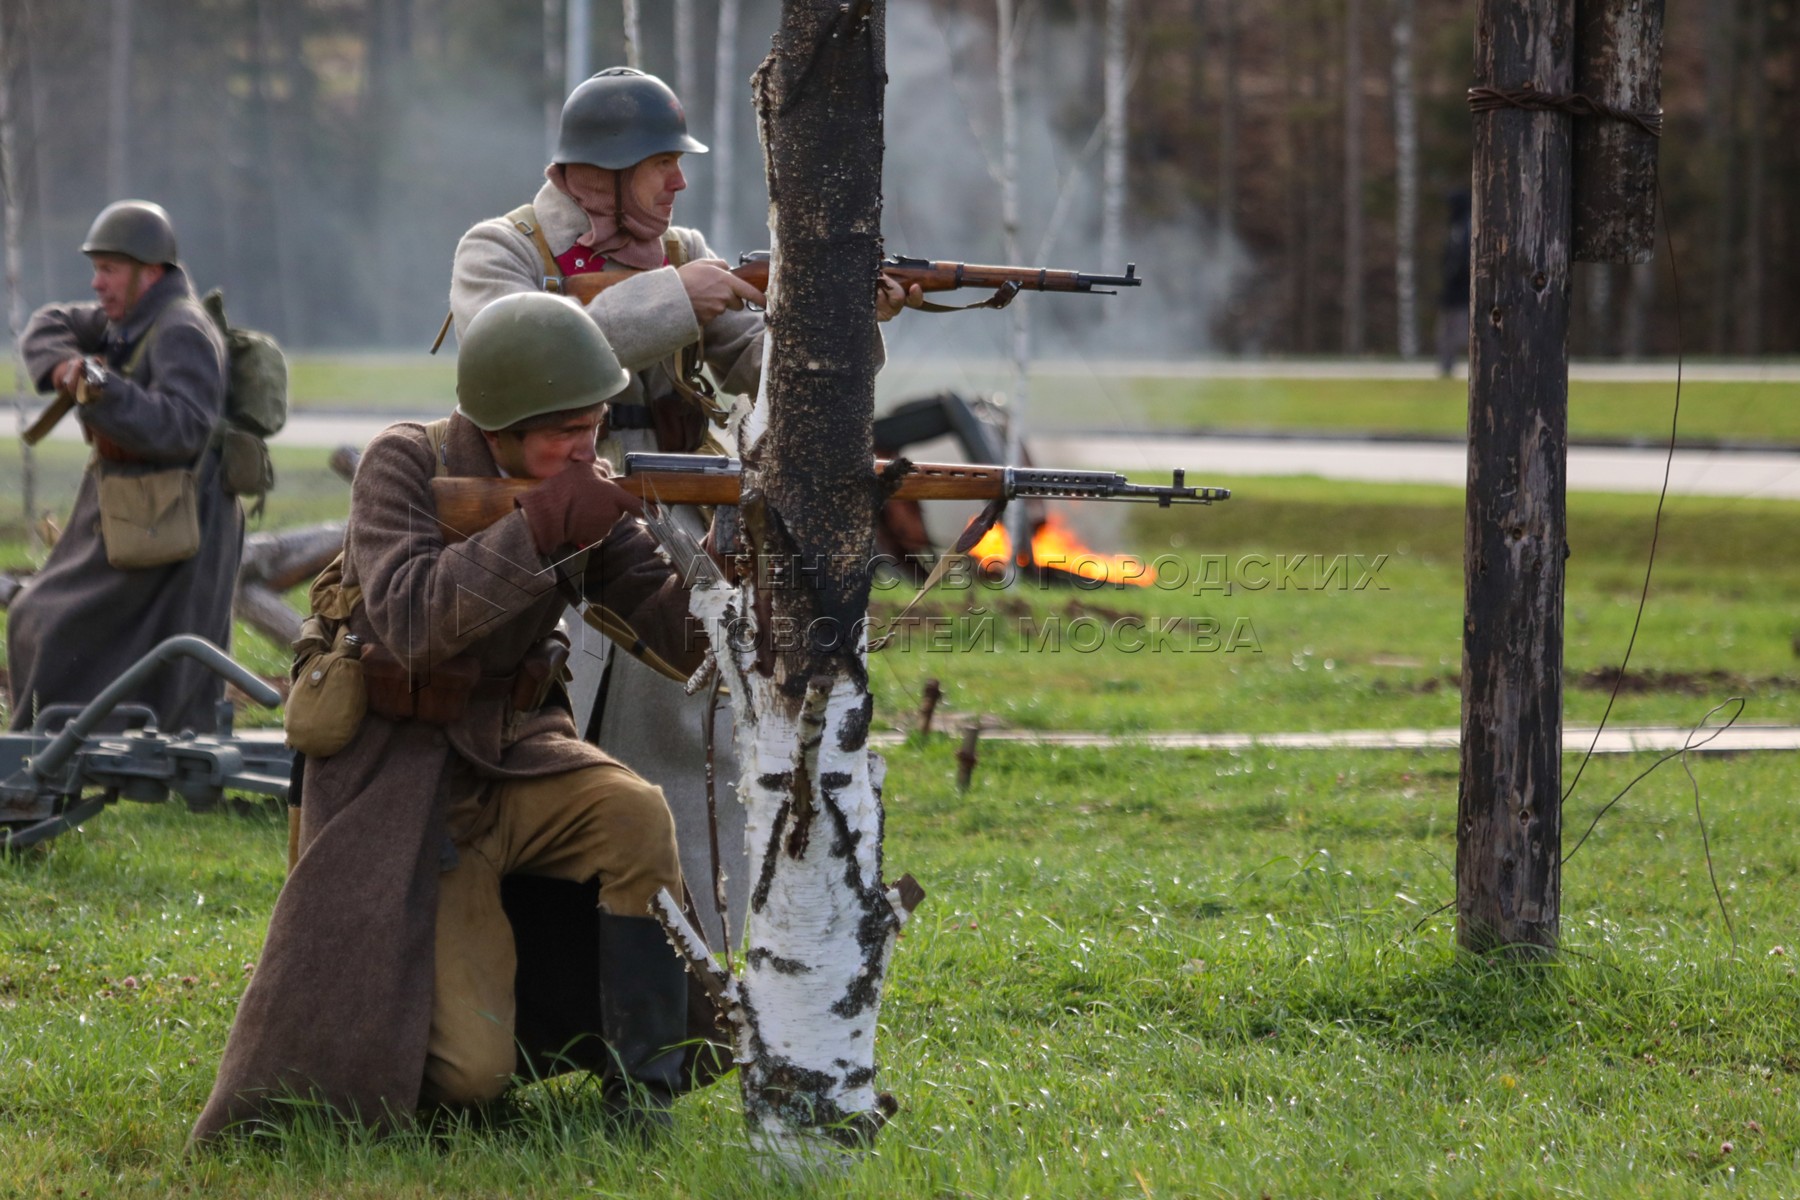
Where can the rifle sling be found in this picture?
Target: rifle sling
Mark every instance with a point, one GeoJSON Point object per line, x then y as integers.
{"type": "Point", "coordinates": [965, 542]}
{"type": "Point", "coordinates": [1002, 297]}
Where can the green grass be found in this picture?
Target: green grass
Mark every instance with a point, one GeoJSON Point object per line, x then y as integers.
{"type": "Point", "coordinates": [1719, 623]}
{"type": "Point", "coordinates": [1768, 412]}
{"type": "Point", "coordinates": [1135, 974]}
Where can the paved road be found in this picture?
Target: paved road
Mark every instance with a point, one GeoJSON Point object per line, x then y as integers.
{"type": "Point", "coordinates": [1721, 472]}
{"type": "Point", "coordinates": [1770, 474]}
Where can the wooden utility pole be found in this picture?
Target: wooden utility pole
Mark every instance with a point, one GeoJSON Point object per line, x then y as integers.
{"type": "Point", "coordinates": [1509, 821]}
{"type": "Point", "coordinates": [789, 638]}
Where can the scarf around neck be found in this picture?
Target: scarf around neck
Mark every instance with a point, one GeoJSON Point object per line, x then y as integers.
{"type": "Point", "coordinates": [619, 229]}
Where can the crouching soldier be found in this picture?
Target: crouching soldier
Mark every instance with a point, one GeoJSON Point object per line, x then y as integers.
{"type": "Point", "coordinates": [152, 546]}
{"type": "Point", "coordinates": [392, 978]}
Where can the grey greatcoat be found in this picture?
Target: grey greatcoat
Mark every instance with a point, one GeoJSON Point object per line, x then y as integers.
{"type": "Point", "coordinates": [81, 621]}
{"type": "Point", "coordinates": [620, 703]}
{"type": "Point", "coordinates": [340, 1004]}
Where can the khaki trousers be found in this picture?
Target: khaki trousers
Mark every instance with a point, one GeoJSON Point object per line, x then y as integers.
{"type": "Point", "coordinates": [598, 821]}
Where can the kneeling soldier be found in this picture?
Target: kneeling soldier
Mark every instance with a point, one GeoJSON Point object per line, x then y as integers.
{"type": "Point", "coordinates": [392, 977]}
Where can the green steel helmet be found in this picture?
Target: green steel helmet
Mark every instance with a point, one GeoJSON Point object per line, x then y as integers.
{"type": "Point", "coordinates": [529, 354]}
{"type": "Point", "coordinates": [619, 118]}
{"type": "Point", "coordinates": [135, 228]}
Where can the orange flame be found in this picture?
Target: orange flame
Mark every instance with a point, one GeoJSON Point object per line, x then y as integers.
{"type": "Point", "coordinates": [1056, 545]}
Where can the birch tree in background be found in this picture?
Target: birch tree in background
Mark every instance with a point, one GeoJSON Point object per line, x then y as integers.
{"type": "Point", "coordinates": [788, 637]}
{"type": "Point", "coordinates": [1353, 178]}
{"type": "Point", "coordinates": [725, 86]}
{"type": "Point", "coordinates": [578, 37]}
{"type": "Point", "coordinates": [1112, 199]}
{"type": "Point", "coordinates": [118, 107]}
{"type": "Point", "coordinates": [687, 71]}
{"type": "Point", "coordinates": [553, 76]}
{"type": "Point", "coordinates": [1006, 37]}
{"type": "Point", "coordinates": [633, 55]}
{"type": "Point", "coordinates": [10, 58]}
{"type": "Point", "coordinates": [1406, 183]}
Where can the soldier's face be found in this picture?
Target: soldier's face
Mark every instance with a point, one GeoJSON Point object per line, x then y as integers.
{"type": "Point", "coordinates": [655, 181]}
{"type": "Point", "coordinates": [119, 281]}
{"type": "Point", "coordinates": [542, 453]}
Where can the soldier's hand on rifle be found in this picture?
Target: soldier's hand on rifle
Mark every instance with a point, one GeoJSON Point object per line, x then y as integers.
{"type": "Point", "coordinates": [893, 298]}
{"type": "Point", "coordinates": [578, 507]}
{"type": "Point", "coordinates": [66, 375]}
{"type": "Point", "coordinates": [712, 288]}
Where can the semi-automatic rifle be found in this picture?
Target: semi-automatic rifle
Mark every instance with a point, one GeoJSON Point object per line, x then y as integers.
{"type": "Point", "coordinates": [1006, 282]}
{"type": "Point", "coordinates": [467, 505]}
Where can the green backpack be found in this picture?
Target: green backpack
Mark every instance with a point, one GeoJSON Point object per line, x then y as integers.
{"type": "Point", "coordinates": [256, 404]}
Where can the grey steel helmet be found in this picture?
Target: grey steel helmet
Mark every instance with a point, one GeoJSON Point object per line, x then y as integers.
{"type": "Point", "coordinates": [619, 118]}
{"type": "Point", "coordinates": [529, 354]}
{"type": "Point", "coordinates": [135, 228]}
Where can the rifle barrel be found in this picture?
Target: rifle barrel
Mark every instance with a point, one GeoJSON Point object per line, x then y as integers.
{"type": "Point", "coordinates": [466, 505]}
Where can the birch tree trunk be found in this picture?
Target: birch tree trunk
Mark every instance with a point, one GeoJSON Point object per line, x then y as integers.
{"type": "Point", "coordinates": [1353, 178]}
{"type": "Point", "coordinates": [554, 94]}
{"type": "Point", "coordinates": [633, 55]}
{"type": "Point", "coordinates": [1112, 200]}
{"type": "Point", "coordinates": [725, 85]}
{"type": "Point", "coordinates": [1406, 181]}
{"type": "Point", "coordinates": [1018, 525]}
{"type": "Point", "coordinates": [687, 73]}
{"type": "Point", "coordinates": [1756, 106]}
{"type": "Point", "coordinates": [578, 36]}
{"type": "Point", "coordinates": [788, 638]}
{"type": "Point", "coordinates": [118, 100]}
{"type": "Point", "coordinates": [10, 58]}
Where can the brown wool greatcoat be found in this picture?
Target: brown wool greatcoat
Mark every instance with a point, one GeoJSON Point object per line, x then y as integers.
{"type": "Point", "coordinates": [81, 621]}
{"type": "Point", "coordinates": [339, 1007]}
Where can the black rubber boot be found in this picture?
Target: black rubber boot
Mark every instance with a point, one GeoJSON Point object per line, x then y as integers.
{"type": "Point", "coordinates": [643, 1013]}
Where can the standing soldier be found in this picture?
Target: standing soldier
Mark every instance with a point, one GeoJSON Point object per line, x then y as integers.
{"type": "Point", "coordinates": [398, 971]}
{"type": "Point", "coordinates": [151, 549]}
{"type": "Point", "coordinates": [608, 202]}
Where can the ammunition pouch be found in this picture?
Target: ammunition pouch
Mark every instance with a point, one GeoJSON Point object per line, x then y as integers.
{"type": "Point", "coordinates": [438, 695]}
{"type": "Point", "coordinates": [326, 704]}
{"type": "Point", "coordinates": [148, 519]}
{"type": "Point", "coordinates": [245, 468]}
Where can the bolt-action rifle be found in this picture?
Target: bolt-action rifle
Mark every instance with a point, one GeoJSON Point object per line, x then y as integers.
{"type": "Point", "coordinates": [467, 505]}
{"type": "Point", "coordinates": [1006, 282]}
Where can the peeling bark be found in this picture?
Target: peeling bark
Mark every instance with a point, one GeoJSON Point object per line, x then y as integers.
{"type": "Point", "coordinates": [789, 638]}
{"type": "Point", "coordinates": [1509, 823]}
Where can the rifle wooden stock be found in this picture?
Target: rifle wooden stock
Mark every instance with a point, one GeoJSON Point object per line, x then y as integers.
{"type": "Point", "coordinates": [466, 505]}
{"type": "Point", "coordinates": [930, 276]}
{"type": "Point", "coordinates": [46, 420]}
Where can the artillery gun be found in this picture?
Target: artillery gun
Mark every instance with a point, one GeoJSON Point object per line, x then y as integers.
{"type": "Point", "coordinates": [63, 771]}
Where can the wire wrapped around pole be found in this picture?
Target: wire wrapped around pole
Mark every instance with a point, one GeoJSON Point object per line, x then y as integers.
{"type": "Point", "coordinates": [1484, 99]}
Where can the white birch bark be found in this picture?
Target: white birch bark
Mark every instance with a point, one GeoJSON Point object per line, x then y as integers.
{"type": "Point", "coordinates": [687, 73]}
{"type": "Point", "coordinates": [821, 923]}
{"type": "Point", "coordinates": [15, 298]}
{"type": "Point", "coordinates": [1113, 161]}
{"type": "Point", "coordinates": [118, 100]}
{"type": "Point", "coordinates": [1007, 36]}
{"type": "Point", "coordinates": [554, 93]}
{"type": "Point", "coordinates": [1406, 183]}
{"type": "Point", "coordinates": [1353, 178]}
{"type": "Point", "coordinates": [725, 86]}
{"type": "Point", "coordinates": [633, 55]}
{"type": "Point", "coordinates": [578, 36]}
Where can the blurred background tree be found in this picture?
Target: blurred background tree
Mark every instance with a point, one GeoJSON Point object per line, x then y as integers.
{"type": "Point", "coordinates": [321, 157]}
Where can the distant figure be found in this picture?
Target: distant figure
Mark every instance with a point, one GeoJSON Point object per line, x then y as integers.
{"type": "Point", "coordinates": [1453, 301]}
{"type": "Point", "coordinates": [151, 549]}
